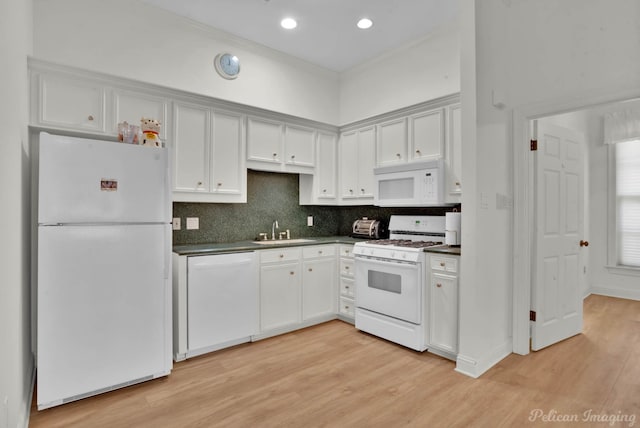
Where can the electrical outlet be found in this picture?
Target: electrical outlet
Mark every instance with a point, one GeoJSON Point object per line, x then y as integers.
{"type": "Point", "coordinates": [176, 223]}
{"type": "Point", "coordinates": [193, 223]}
{"type": "Point", "coordinates": [310, 220]}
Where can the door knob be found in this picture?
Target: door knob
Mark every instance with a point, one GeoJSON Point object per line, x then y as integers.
{"type": "Point", "coordinates": [584, 243]}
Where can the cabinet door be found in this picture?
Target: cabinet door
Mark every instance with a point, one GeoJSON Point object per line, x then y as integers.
{"type": "Point", "coordinates": [391, 144]}
{"type": "Point", "coordinates": [65, 102]}
{"type": "Point", "coordinates": [227, 154]}
{"type": "Point", "coordinates": [299, 145]}
{"type": "Point", "coordinates": [132, 106]}
{"type": "Point", "coordinates": [191, 142]}
{"type": "Point", "coordinates": [279, 295]}
{"type": "Point", "coordinates": [318, 288]}
{"type": "Point", "coordinates": [349, 165]}
{"type": "Point", "coordinates": [366, 161]}
{"type": "Point", "coordinates": [454, 153]}
{"type": "Point", "coordinates": [444, 312]}
{"type": "Point", "coordinates": [426, 135]}
{"type": "Point", "coordinates": [326, 168]}
{"type": "Point", "coordinates": [264, 140]}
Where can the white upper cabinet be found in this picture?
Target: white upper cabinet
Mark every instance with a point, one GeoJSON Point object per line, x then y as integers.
{"type": "Point", "coordinates": [454, 154]}
{"type": "Point", "coordinates": [66, 102]}
{"type": "Point", "coordinates": [191, 148]}
{"type": "Point", "coordinates": [264, 142]}
{"type": "Point", "coordinates": [208, 148]}
{"type": "Point", "coordinates": [357, 160]}
{"type": "Point", "coordinates": [426, 135]}
{"type": "Point", "coordinates": [320, 187]}
{"type": "Point", "coordinates": [391, 144]}
{"type": "Point", "coordinates": [279, 146]}
{"type": "Point", "coordinates": [299, 145]}
{"type": "Point", "coordinates": [228, 170]}
{"type": "Point", "coordinates": [132, 106]}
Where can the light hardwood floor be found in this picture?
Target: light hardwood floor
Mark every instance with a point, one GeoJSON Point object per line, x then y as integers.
{"type": "Point", "coordinates": [331, 375]}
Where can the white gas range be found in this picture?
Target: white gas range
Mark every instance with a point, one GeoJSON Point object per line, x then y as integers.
{"type": "Point", "coordinates": [391, 280]}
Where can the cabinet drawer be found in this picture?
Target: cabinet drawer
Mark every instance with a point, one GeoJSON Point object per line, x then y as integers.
{"type": "Point", "coordinates": [347, 307]}
{"type": "Point", "coordinates": [346, 267]}
{"type": "Point", "coordinates": [347, 287]}
{"type": "Point", "coordinates": [280, 255]}
{"type": "Point", "coordinates": [346, 250]}
{"type": "Point", "coordinates": [446, 264]}
{"type": "Point", "coordinates": [318, 251]}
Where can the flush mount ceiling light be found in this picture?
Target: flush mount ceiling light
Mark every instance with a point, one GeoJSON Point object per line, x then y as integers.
{"type": "Point", "coordinates": [288, 23]}
{"type": "Point", "coordinates": [364, 23]}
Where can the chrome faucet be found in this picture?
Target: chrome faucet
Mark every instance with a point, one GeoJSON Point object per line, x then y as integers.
{"type": "Point", "coordinates": [274, 226]}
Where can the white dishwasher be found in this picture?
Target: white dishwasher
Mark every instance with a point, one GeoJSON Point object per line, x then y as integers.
{"type": "Point", "coordinates": [222, 301]}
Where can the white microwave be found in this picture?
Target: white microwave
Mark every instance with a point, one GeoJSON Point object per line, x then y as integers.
{"type": "Point", "coordinates": [415, 184]}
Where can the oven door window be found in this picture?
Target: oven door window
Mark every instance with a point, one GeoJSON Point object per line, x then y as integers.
{"type": "Point", "coordinates": [391, 282]}
{"type": "Point", "coordinates": [389, 288]}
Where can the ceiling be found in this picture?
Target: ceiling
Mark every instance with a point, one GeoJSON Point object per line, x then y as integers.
{"type": "Point", "coordinates": [326, 34]}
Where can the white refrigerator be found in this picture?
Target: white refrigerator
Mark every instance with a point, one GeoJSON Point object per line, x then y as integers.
{"type": "Point", "coordinates": [103, 267]}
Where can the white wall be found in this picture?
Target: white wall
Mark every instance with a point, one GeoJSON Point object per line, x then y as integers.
{"type": "Point", "coordinates": [544, 56]}
{"type": "Point", "coordinates": [16, 363]}
{"type": "Point", "coordinates": [422, 70]}
{"type": "Point", "coordinates": [130, 39]}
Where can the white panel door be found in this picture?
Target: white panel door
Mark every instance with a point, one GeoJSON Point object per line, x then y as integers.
{"type": "Point", "coordinates": [558, 273]}
{"type": "Point", "coordinates": [228, 154]}
{"type": "Point", "coordinates": [366, 161]}
{"type": "Point", "coordinates": [191, 144]}
{"type": "Point", "coordinates": [90, 181]}
{"type": "Point", "coordinates": [102, 307]}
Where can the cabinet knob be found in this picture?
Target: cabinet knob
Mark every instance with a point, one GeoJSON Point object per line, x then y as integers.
{"type": "Point", "coordinates": [346, 268]}
{"type": "Point", "coordinates": [346, 287]}
{"type": "Point", "coordinates": [292, 273]}
{"type": "Point", "coordinates": [398, 155]}
{"type": "Point", "coordinates": [90, 117]}
{"type": "Point", "coordinates": [281, 256]}
{"type": "Point", "coordinates": [350, 190]}
{"type": "Point", "coordinates": [457, 183]}
{"type": "Point", "coordinates": [275, 155]}
{"type": "Point", "coordinates": [346, 306]}
{"type": "Point", "coordinates": [438, 285]}
{"type": "Point", "coordinates": [418, 152]}
{"type": "Point", "coordinates": [442, 264]}
{"type": "Point", "coordinates": [362, 190]}
{"type": "Point", "coordinates": [324, 190]}
{"type": "Point", "coordinates": [219, 184]}
{"type": "Point", "coordinates": [310, 269]}
{"type": "Point", "coordinates": [293, 157]}
{"type": "Point", "coordinates": [199, 183]}
{"type": "Point", "coordinates": [584, 243]}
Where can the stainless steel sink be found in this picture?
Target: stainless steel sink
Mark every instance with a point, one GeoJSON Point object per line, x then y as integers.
{"type": "Point", "coordinates": [283, 241]}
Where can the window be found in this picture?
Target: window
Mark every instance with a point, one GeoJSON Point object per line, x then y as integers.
{"type": "Point", "coordinates": [628, 203]}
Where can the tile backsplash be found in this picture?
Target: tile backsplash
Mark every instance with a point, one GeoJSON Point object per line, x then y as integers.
{"type": "Point", "coordinates": [270, 197]}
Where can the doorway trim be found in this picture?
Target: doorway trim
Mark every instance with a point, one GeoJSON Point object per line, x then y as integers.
{"type": "Point", "coordinates": [523, 202]}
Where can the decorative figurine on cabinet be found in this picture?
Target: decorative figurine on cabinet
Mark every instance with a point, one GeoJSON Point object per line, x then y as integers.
{"type": "Point", "coordinates": [150, 132]}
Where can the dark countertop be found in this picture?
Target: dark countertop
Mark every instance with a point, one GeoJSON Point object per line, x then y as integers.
{"type": "Point", "coordinates": [445, 249]}
{"type": "Point", "coordinates": [234, 247]}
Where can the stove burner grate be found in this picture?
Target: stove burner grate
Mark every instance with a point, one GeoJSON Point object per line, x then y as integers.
{"type": "Point", "coordinates": [406, 243]}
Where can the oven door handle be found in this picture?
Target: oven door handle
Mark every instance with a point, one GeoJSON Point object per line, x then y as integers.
{"type": "Point", "coordinates": [383, 262]}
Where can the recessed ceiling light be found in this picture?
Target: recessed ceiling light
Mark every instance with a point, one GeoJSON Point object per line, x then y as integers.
{"type": "Point", "coordinates": [365, 23]}
{"type": "Point", "coordinates": [288, 23]}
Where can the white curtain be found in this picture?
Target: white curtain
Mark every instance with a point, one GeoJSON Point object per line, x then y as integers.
{"type": "Point", "coordinates": [621, 126]}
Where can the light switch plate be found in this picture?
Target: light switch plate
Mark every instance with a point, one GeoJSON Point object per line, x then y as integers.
{"type": "Point", "coordinates": [176, 223]}
{"type": "Point", "coordinates": [310, 220]}
{"type": "Point", "coordinates": [193, 223]}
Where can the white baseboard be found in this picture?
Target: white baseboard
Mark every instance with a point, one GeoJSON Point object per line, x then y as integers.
{"type": "Point", "coordinates": [616, 292]}
{"type": "Point", "coordinates": [475, 367]}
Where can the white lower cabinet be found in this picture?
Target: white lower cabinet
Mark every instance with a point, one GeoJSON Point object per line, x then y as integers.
{"type": "Point", "coordinates": [443, 305]}
{"type": "Point", "coordinates": [318, 282]}
{"type": "Point", "coordinates": [297, 288]}
{"type": "Point", "coordinates": [346, 303]}
{"type": "Point", "coordinates": [280, 289]}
